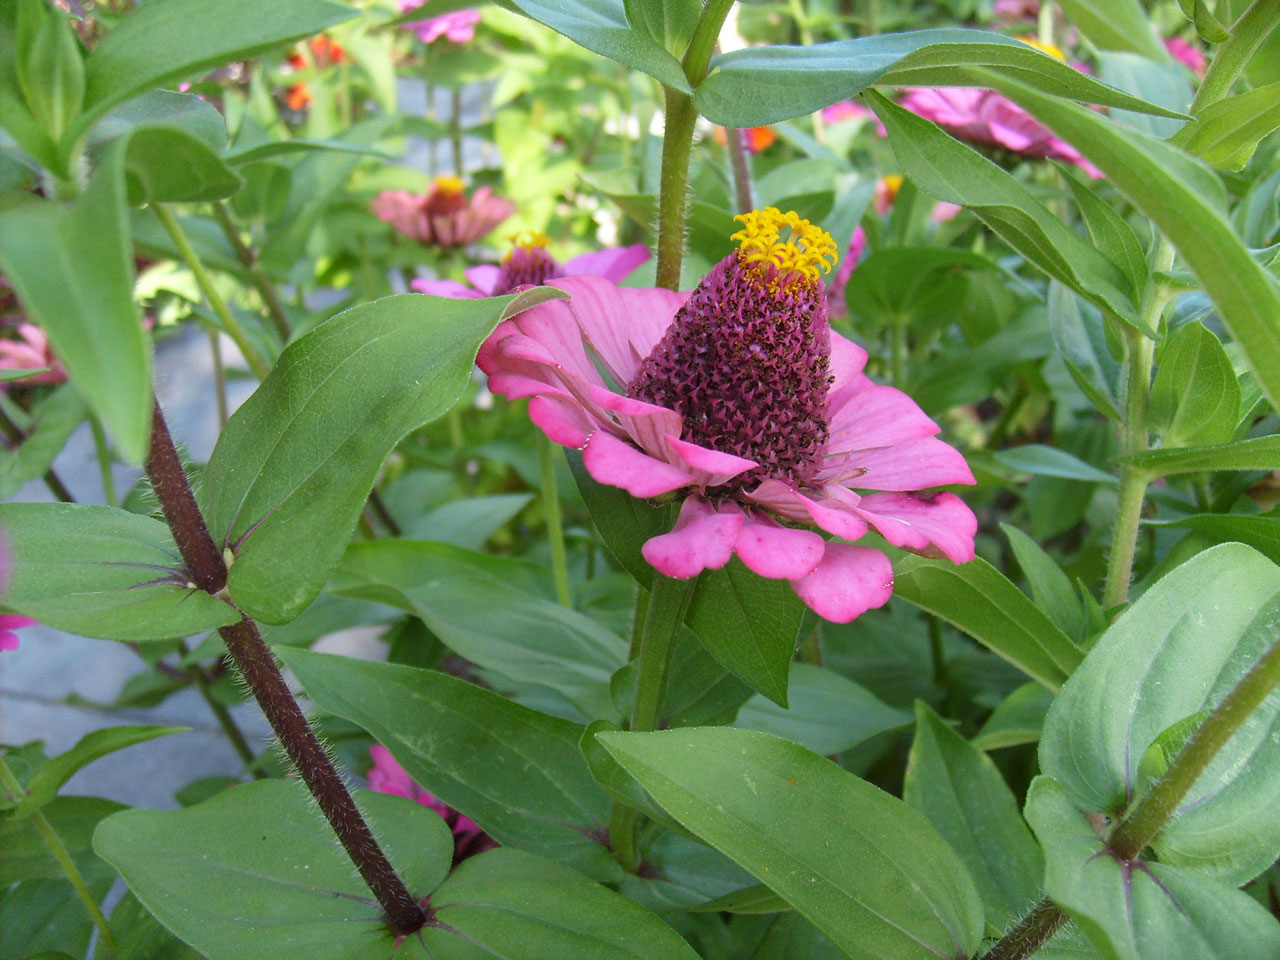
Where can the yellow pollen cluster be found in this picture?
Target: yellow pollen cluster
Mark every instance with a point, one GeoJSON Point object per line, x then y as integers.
{"type": "Point", "coordinates": [805, 251]}
{"type": "Point", "coordinates": [449, 186]}
{"type": "Point", "coordinates": [527, 240]}
{"type": "Point", "coordinates": [1051, 49]}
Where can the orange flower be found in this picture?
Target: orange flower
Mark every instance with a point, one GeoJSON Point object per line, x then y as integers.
{"type": "Point", "coordinates": [757, 139]}
{"type": "Point", "coordinates": [298, 97]}
{"type": "Point", "coordinates": [326, 50]}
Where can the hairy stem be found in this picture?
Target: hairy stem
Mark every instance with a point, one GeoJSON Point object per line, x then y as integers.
{"type": "Point", "coordinates": [1032, 932]}
{"type": "Point", "coordinates": [258, 666]}
{"type": "Point", "coordinates": [58, 850]}
{"type": "Point", "coordinates": [741, 166]}
{"type": "Point", "coordinates": [555, 526]}
{"type": "Point", "coordinates": [205, 282]}
{"type": "Point", "coordinates": [1229, 60]}
{"type": "Point", "coordinates": [261, 282]}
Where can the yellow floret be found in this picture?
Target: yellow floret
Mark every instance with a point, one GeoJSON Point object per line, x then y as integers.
{"type": "Point", "coordinates": [448, 185]}
{"type": "Point", "coordinates": [805, 250]}
{"type": "Point", "coordinates": [528, 240]}
{"type": "Point", "coordinates": [1051, 49]}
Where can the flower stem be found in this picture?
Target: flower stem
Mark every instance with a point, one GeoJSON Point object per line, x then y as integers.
{"type": "Point", "coordinates": [677, 143]}
{"type": "Point", "coordinates": [1229, 60]}
{"type": "Point", "coordinates": [1134, 435]}
{"type": "Point", "coordinates": [1031, 933]}
{"type": "Point", "coordinates": [555, 527]}
{"type": "Point", "coordinates": [58, 850]}
{"type": "Point", "coordinates": [266, 289]}
{"type": "Point", "coordinates": [205, 282]}
{"type": "Point", "coordinates": [257, 665]}
{"type": "Point", "coordinates": [219, 377]}
{"type": "Point", "coordinates": [668, 601]}
{"type": "Point", "coordinates": [455, 128]}
{"type": "Point", "coordinates": [741, 167]}
{"type": "Point", "coordinates": [103, 453]}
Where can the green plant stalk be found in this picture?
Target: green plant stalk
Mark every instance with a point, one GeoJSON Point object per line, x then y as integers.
{"type": "Point", "coordinates": [740, 164]}
{"type": "Point", "coordinates": [555, 526]}
{"type": "Point", "coordinates": [103, 454]}
{"type": "Point", "coordinates": [261, 282]}
{"type": "Point", "coordinates": [898, 353]}
{"type": "Point", "coordinates": [1031, 933]}
{"type": "Point", "coordinates": [1134, 434]}
{"type": "Point", "coordinates": [1044, 23]}
{"type": "Point", "coordinates": [203, 280]}
{"type": "Point", "coordinates": [677, 143]}
{"type": "Point", "coordinates": [219, 378]}
{"type": "Point", "coordinates": [455, 128]}
{"type": "Point", "coordinates": [1229, 60]}
{"type": "Point", "coordinates": [58, 850]}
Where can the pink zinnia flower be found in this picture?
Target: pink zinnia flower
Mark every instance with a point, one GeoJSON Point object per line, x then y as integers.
{"type": "Point", "coordinates": [32, 352]}
{"type": "Point", "coordinates": [530, 264]}
{"type": "Point", "coordinates": [984, 116]}
{"type": "Point", "coordinates": [741, 398]}
{"type": "Point", "coordinates": [443, 216]}
{"type": "Point", "coordinates": [1016, 9]}
{"type": "Point", "coordinates": [852, 110]}
{"type": "Point", "coordinates": [1189, 56]}
{"type": "Point", "coordinates": [387, 776]}
{"type": "Point", "coordinates": [458, 27]}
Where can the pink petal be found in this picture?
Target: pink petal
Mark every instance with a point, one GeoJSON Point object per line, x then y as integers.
{"type": "Point", "coordinates": [713, 466]}
{"type": "Point", "coordinates": [615, 264]}
{"type": "Point", "coordinates": [561, 420]}
{"type": "Point", "coordinates": [15, 621]}
{"type": "Point", "coordinates": [648, 424]}
{"type": "Point", "coordinates": [702, 539]}
{"type": "Point", "coordinates": [847, 583]}
{"type": "Point", "coordinates": [778, 552]}
{"type": "Point", "coordinates": [8, 640]}
{"type": "Point", "coordinates": [830, 514]}
{"type": "Point", "coordinates": [914, 465]}
{"type": "Point", "coordinates": [876, 416]}
{"type": "Point", "coordinates": [619, 464]}
{"type": "Point", "coordinates": [484, 277]}
{"type": "Point", "coordinates": [446, 288]}
{"type": "Point", "coordinates": [930, 524]}
{"type": "Point", "coordinates": [621, 324]}
{"type": "Point", "coordinates": [834, 517]}
{"type": "Point", "coordinates": [847, 361]}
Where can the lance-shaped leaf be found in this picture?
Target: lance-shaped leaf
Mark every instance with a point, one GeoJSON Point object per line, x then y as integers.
{"type": "Point", "coordinates": [516, 772]}
{"type": "Point", "coordinates": [73, 270]}
{"type": "Point", "coordinates": [102, 572]}
{"type": "Point", "coordinates": [1183, 198]}
{"type": "Point", "coordinates": [1226, 133]}
{"type": "Point", "coordinates": [293, 466]}
{"type": "Point", "coordinates": [946, 169]}
{"type": "Point", "coordinates": [867, 870]}
{"type": "Point", "coordinates": [1115, 25]}
{"type": "Point", "coordinates": [1195, 398]}
{"type": "Point", "coordinates": [761, 85]}
{"type": "Point", "coordinates": [1260, 453]}
{"type": "Point", "coordinates": [1175, 653]}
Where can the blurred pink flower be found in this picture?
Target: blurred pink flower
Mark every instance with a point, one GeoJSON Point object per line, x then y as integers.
{"type": "Point", "coordinates": [530, 264]}
{"type": "Point", "coordinates": [444, 216]}
{"type": "Point", "coordinates": [458, 26]}
{"type": "Point", "coordinates": [31, 351]}
{"type": "Point", "coordinates": [741, 398]}
{"type": "Point", "coordinates": [1189, 56]}
{"type": "Point", "coordinates": [984, 116]}
{"type": "Point", "coordinates": [387, 776]}
{"type": "Point", "coordinates": [1026, 10]}
{"type": "Point", "coordinates": [852, 110]}
{"type": "Point", "coordinates": [9, 622]}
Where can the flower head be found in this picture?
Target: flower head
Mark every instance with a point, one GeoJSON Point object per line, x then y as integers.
{"type": "Point", "coordinates": [444, 216]}
{"type": "Point", "coordinates": [530, 263]}
{"type": "Point", "coordinates": [456, 27]}
{"type": "Point", "coordinates": [739, 397]}
{"type": "Point", "coordinates": [31, 351]}
{"type": "Point", "coordinates": [387, 776]}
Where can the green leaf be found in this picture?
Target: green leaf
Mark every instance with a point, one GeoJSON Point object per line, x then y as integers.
{"type": "Point", "coordinates": [1178, 650]}
{"type": "Point", "coordinates": [54, 417]}
{"type": "Point", "coordinates": [254, 871]}
{"type": "Point", "coordinates": [1164, 83]}
{"type": "Point", "coordinates": [827, 712]}
{"type": "Point", "coordinates": [164, 108]}
{"type": "Point", "coordinates": [1080, 334]}
{"type": "Point", "coordinates": [1195, 398]}
{"type": "Point", "coordinates": [602, 27]}
{"type": "Point", "coordinates": [1261, 533]}
{"type": "Point", "coordinates": [948, 170]}
{"type": "Point", "coordinates": [1113, 237]}
{"type": "Point", "coordinates": [1050, 587]}
{"type": "Point", "coordinates": [506, 903]}
{"type": "Point", "coordinates": [39, 915]}
{"type": "Point", "coordinates": [759, 85]}
{"type": "Point", "coordinates": [516, 772]}
{"type": "Point", "coordinates": [1018, 719]}
{"type": "Point", "coordinates": [1115, 25]}
{"type": "Point", "coordinates": [960, 791]}
{"type": "Point", "coordinates": [525, 638]}
{"type": "Point", "coordinates": [26, 857]}
{"type": "Point", "coordinates": [467, 523]}
{"type": "Point", "coordinates": [982, 602]}
{"type": "Point", "coordinates": [170, 40]}
{"type": "Point", "coordinates": [1260, 453]}
{"type": "Point", "coordinates": [749, 900]}
{"type": "Point", "coordinates": [73, 270]}
{"type": "Point", "coordinates": [1140, 910]}
{"type": "Point", "coordinates": [867, 870]}
{"type": "Point", "coordinates": [624, 522]}
{"type": "Point", "coordinates": [1181, 197]}
{"type": "Point", "coordinates": [293, 466]}
{"type": "Point", "coordinates": [242, 155]}
{"type": "Point", "coordinates": [102, 572]}
{"type": "Point", "coordinates": [53, 773]}
{"type": "Point", "coordinates": [913, 285]}
{"type": "Point", "coordinates": [49, 66]}
{"type": "Point", "coordinates": [164, 164]}
{"type": "Point", "coordinates": [1157, 757]}
{"type": "Point", "coordinates": [1227, 133]}
{"type": "Point", "coordinates": [669, 22]}
{"type": "Point", "coordinates": [1037, 459]}
{"type": "Point", "coordinates": [139, 935]}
